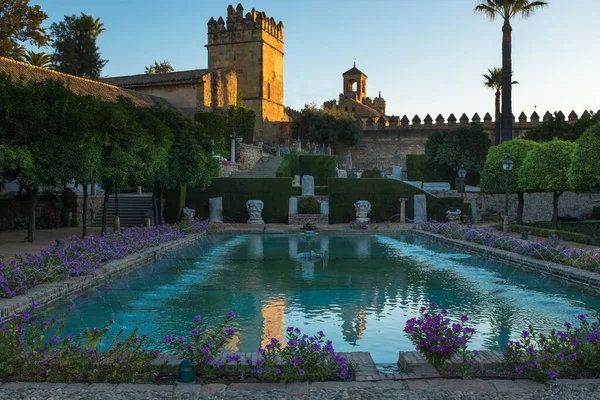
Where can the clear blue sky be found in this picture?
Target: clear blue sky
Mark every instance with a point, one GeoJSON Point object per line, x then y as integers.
{"type": "Point", "coordinates": [426, 56]}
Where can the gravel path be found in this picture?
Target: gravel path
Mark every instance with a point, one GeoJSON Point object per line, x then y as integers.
{"type": "Point", "coordinates": [426, 389]}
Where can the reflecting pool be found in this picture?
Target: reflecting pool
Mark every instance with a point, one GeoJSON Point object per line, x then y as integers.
{"type": "Point", "coordinates": [358, 289]}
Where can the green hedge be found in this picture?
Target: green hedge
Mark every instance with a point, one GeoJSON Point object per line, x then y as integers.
{"type": "Point", "coordinates": [590, 228]}
{"type": "Point", "coordinates": [274, 192]}
{"type": "Point", "coordinates": [174, 204]}
{"type": "Point", "coordinates": [319, 191]}
{"type": "Point", "coordinates": [308, 205]}
{"type": "Point", "coordinates": [543, 232]}
{"type": "Point", "coordinates": [383, 194]}
{"type": "Point", "coordinates": [319, 166]}
{"type": "Point", "coordinates": [437, 207]}
{"type": "Point", "coordinates": [371, 174]}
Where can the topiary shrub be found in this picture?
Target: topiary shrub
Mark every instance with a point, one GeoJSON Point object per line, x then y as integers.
{"type": "Point", "coordinates": [308, 205]}
{"type": "Point", "coordinates": [371, 173]}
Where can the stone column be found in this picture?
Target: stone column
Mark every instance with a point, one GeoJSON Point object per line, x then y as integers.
{"type": "Point", "coordinates": [308, 185]}
{"type": "Point", "coordinates": [348, 161]}
{"type": "Point", "coordinates": [420, 208]}
{"type": "Point", "coordinates": [474, 210]}
{"type": "Point", "coordinates": [403, 210]}
{"type": "Point", "coordinates": [232, 151]}
{"type": "Point", "coordinates": [255, 247]}
{"type": "Point", "coordinates": [293, 206]}
{"type": "Point", "coordinates": [215, 207]}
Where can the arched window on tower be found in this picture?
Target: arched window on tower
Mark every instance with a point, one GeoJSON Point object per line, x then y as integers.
{"type": "Point", "coordinates": [346, 109]}
{"type": "Point", "coordinates": [269, 90]}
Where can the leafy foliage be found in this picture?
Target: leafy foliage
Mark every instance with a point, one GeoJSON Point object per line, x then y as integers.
{"type": "Point", "coordinates": [584, 173]}
{"type": "Point", "coordinates": [492, 176]}
{"type": "Point", "coordinates": [323, 126]}
{"type": "Point", "coordinates": [242, 120]}
{"type": "Point", "coordinates": [371, 173]}
{"type": "Point", "coordinates": [464, 146]}
{"type": "Point", "coordinates": [545, 167]}
{"type": "Point", "coordinates": [20, 23]}
{"type": "Point", "coordinates": [40, 59]}
{"type": "Point", "coordinates": [162, 67]}
{"type": "Point", "coordinates": [308, 205]}
{"type": "Point", "coordinates": [558, 128]}
{"type": "Point", "coordinates": [75, 49]}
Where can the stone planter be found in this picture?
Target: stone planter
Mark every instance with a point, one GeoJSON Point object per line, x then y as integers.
{"type": "Point", "coordinates": [255, 208]}
{"type": "Point", "coordinates": [363, 208]}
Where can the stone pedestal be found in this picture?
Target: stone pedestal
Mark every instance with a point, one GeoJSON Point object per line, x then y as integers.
{"type": "Point", "coordinates": [342, 173]}
{"type": "Point", "coordinates": [363, 208]}
{"type": "Point", "coordinates": [117, 224]}
{"type": "Point", "coordinates": [420, 208]}
{"type": "Point", "coordinates": [308, 185]}
{"type": "Point", "coordinates": [397, 173]}
{"type": "Point", "coordinates": [348, 161]}
{"type": "Point", "coordinates": [215, 209]}
{"type": "Point", "coordinates": [474, 210]}
{"type": "Point", "coordinates": [296, 180]}
{"type": "Point", "coordinates": [255, 208]}
{"type": "Point", "coordinates": [233, 151]}
{"type": "Point", "coordinates": [324, 207]}
{"type": "Point", "coordinates": [293, 206]}
{"type": "Point", "coordinates": [403, 209]}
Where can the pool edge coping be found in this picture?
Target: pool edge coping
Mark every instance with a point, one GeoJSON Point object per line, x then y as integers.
{"type": "Point", "coordinates": [51, 292]}
{"type": "Point", "coordinates": [581, 277]}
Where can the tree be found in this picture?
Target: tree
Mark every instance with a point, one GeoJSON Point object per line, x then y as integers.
{"type": "Point", "coordinates": [558, 128]}
{"type": "Point", "coordinates": [493, 176]}
{"type": "Point", "coordinates": [75, 49]}
{"type": "Point", "coordinates": [507, 10]}
{"type": "Point", "coordinates": [19, 23]}
{"type": "Point", "coordinates": [493, 80]}
{"type": "Point", "coordinates": [163, 67]}
{"type": "Point", "coordinates": [451, 149]}
{"type": "Point", "coordinates": [584, 173]}
{"type": "Point", "coordinates": [326, 127]}
{"type": "Point", "coordinates": [545, 169]}
{"type": "Point", "coordinates": [243, 119]}
{"type": "Point", "coordinates": [98, 27]}
{"type": "Point", "coordinates": [40, 59]}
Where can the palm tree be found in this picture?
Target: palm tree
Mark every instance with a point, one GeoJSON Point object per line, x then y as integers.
{"type": "Point", "coordinates": [98, 28]}
{"type": "Point", "coordinates": [507, 9]}
{"type": "Point", "coordinates": [493, 80]}
{"type": "Point", "coordinates": [40, 59]}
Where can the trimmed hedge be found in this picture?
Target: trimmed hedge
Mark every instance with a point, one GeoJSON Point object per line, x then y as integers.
{"type": "Point", "coordinates": [418, 169]}
{"type": "Point", "coordinates": [174, 204]}
{"type": "Point", "coordinates": [319, 166]}
{"type": "Point", "coordinates": [589, 228]}
{"type": "Point", "coordinates": [274, 192]}
{"type": "Point", "coordinates": [308, 205]}
{"type": "Point", "coordinates": [384, 195]}
{"type": "Point", "coordinates": [319, 191]}
{"type": "Point", "coordinates": [371, 174]}
{"type": "Point", "coordinates": [543, 232]}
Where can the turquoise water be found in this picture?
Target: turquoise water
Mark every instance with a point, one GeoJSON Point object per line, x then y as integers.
{"type": "Point", "coordinates": [361, 298]}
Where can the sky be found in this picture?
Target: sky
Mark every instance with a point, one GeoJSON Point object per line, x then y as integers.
{"type": "Point", "coordinates": [425, 56]}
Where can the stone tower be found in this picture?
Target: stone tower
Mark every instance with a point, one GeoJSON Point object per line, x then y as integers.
{"type": "Point", "coordinates": [251, 45]}
{"type": "Point", "coordinates": [355, 84]}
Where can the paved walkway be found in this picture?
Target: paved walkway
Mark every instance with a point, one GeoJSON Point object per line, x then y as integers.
{"type": "Point", "coordinates": [14, 241]}
{"type": "Point", "coordinates": [416, 389]}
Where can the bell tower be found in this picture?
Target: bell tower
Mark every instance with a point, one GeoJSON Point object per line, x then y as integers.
{"type": "Point", "coordinates": [355, 84]}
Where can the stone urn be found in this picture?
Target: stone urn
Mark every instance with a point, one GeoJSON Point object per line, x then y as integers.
{"type": "Point", "coordinates": [255, 208]}
{"type": "Point", "coordinates": [363, 208]}
{"type": "Point", "coordinates": [453, 215]}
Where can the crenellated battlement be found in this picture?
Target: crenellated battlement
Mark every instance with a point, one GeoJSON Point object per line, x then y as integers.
{"type": "Point", "coordinates": [522, 123]}
{"type": "Point", "coordinates": [240, 27]}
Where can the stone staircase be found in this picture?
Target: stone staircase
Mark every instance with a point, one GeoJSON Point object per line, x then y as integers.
{"type": "Point", "coordinates": [133, 208]}
{"type": "Point", "coordinates": [264, 168]}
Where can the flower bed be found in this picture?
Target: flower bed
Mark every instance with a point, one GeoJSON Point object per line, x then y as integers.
{"type": "Point", "coordinates": [76, 256]}
{"type": "Point", "coordinates": [40, 351]}
{"type": "Point", "coordinates": [552, 249]}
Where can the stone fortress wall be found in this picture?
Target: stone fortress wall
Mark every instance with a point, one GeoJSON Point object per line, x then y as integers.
{"type": "Point", "coordinates": [382, 138]}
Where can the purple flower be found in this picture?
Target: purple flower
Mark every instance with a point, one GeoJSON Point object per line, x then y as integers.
{"type": "Point", "coordinates": [205, 350]}
{"type": "Point", "coordinates": [567, 325]}
{"type": "Point", "coordinates": [230, 331]}
{"type": "Point", "coordinates": [197, 318]}
{"type": "Point", "coordinates": [572, 357]}
{"type": "Point", "coordinates": [277, 371]}
{"type": "Point", "coordinates": [520, 369]}
{"type": "Point", "coordinates": [230, 314]}
{"type": "Point", "coordinates": [471, 362]}
{"type": "Point", "coordinates": [56, 340]}
{"type": "Point", "coordinates": [581, 317]}
{"type": "Point", "coordinates": [300, 372]}
{"type": "Point", "coordinates": [35, 305]}
{"type": "Point", "coordinates": [464, 318]}
{"type": "Point", "coordinates": [525, 334]}
{"type": "Point", "coordinates": [321, 334]}
{"type": "Point", "coordinates": [292, 343]}
{"type": "Point", "coordinates": [25, 316]}
{"type": "Point", "coordinates": [432, 305]}
{"type": "Point", "coordinates": [261, 351]}
{"type": "Point", "coordinates": [194, 332]}
{"type": "Point", "coordinates": [274, 341]}
{"type": "Point", "coordinates": [168, 339]}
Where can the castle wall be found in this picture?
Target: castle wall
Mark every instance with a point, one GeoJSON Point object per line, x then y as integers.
{"type": "Point", "coordinates": [185, 97]}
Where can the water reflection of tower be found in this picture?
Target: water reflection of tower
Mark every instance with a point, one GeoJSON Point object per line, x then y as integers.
{"type": "Point", "coordinates": [273, 313]}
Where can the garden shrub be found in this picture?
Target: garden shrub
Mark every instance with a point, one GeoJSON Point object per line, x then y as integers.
{"type": "Point", "coordinates": [217, 126]}
{"type": "Point", "coordinates": [436, 209]}
{"type": "Point", "coordinates": [175, 203]}
{"type": "Point", "coordinates": [371, 173]}
{"type": "Point", "coordinates": [297, 191]}
{"type": "Point", "coordinates": [418, 169]}
{"type": "Point", "coordinates": [570, 353]}
{"type": "Point", "coordinates": [589, 228]}
{"type": "Point", "coordinates": [321, 167]}
{"type": "Point", "coordinates": [308, 205]}
{"type": "Point", "coordinates": [321, 190]}
{"type": "Point", "coordinates": [25, 356]}
{"type": "Point", "coordinates": [544, 232]}
{"type": "Point", "coordinates": [274, 192]}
